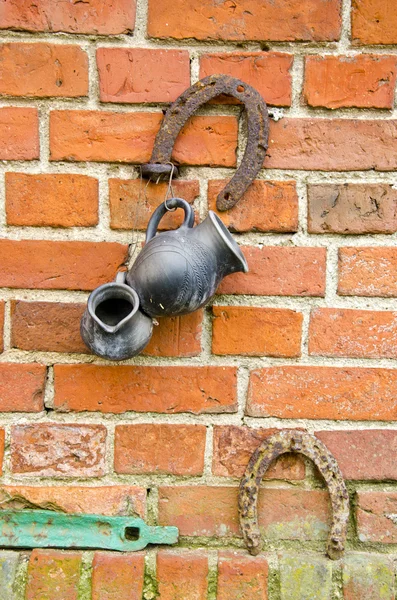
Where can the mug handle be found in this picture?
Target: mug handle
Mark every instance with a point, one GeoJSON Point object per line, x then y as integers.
{"type": "Point", "coordinates": [163, 209]}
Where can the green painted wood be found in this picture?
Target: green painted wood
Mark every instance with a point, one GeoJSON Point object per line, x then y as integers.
{"type": "Point", "coordinates": [48, 529]}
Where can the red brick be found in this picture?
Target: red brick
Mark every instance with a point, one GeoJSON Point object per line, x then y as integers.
{"type": "Point", "coordinates": [22, 387]}
{"type": "Point", "coordinates": [51, 200]}
{"type": "Point", "coordinates": [43, 70]}
{"type": "Point", "coordinates": [159, 448]}
{"type": "Point", "coordinates": [81, 135]}
{"type": "Point", "coordinates": [267, 72]}
{"type": "Point", "coordinates": [182, 576]}
{"type": "Point", "coordinates": [352, 208]}
{"type": "Point", "coordinates": [353, 333]}
{"type": "Point", "coordinates": [242, 577]}
{"type": "Point", "coordinates": [269, 20]}
{"type": "Point", "coordinates": [367, 272]}
{"type": "Point", "coordinates": [374, 22]}
{"type": "Point", "coordinates": [53, 265]}
{"type": "Point", "coordinates": [117, 576]}
{"type": "Point", "coordinates": [265, 206]}
{"type": "Point", "coordinates": [363, 81]}
{"type": "Point", "coordinates": [145, 389]}
{"type": "Point", "coordinates": [177, 336]}
{"type": "Point", "coordinates": [233, 447]}
{"type": "Point", "coordinates": [53, 574]}
{"type": "Point", "coordinates": [339, 393]}
{"type": "Point", "coordinates": [288, 514]}
{"type": "Point", "coordinates": [142, 74]}
{"type": "Point", "coordinates": [254, 331]}
{"type": "Point", "coordinates": [376, 516]}
{"type": "Point", "coordinates": [19, 133]}
{"type": "Point", "coordinates": [363, 454]}
{"type": "Point", "coordinates": [114, 500]}
{"type": "Point", "coordinates": [2, 444]}
{"type": "Point", "coordinates": [326, 144]}
{"type": "Point", "coordinates": [58, 450]}
{"type": "Point", "coordinates": [2, 308]}
{"type": "Point", "coordinates": [279, 271]}
{"type": "Point", "coordinates": [132, 202]}
{"type": "Point", "coordinates": [369, 576]}
{"type": "Point", "coordinates": [97, 16]}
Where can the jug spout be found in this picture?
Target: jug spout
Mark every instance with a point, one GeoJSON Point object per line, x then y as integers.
{"type": "Point", "coordinates": [229, 256]}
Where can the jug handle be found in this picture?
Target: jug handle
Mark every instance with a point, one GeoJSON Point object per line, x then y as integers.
{"type": "Point", "coordinates": [163, 209]}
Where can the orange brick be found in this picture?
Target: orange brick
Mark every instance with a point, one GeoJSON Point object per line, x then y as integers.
{"type": "Point", "coordinates": [43, 70]}
{"type": "Point", "coordinates": [375, 512]}
{"type": "Point", "coordinates": [53, 574]}
{"type": "Point", "coordinates": [2, 308]}
{"type": "Point", "coordinates": [279, 271]}
{"type": "Point", "coordinates": [267, 72]}
{"type": "Point", "coordinates": [355, 333]}
{"type": "Point", "coordinates": [265, 206]}
{"type": "Point", "coordinates": [81, 135]}
{"type": "Point", "coordinates": [56, 265]}
{"type": "Point", "coordinates": [177, 336]}
{"type": "Point", "coordinates": [374, 22]}
{"type": "Point", "coordinates": [132, 202]}
{"type": "Point", "coordinates": [97, 16]}
{"type": "Point", "coordinates": [367, 272]}
{"type": "Point", "coordinates": [145, 389]}
{"type": "Point", "coordinates": [51, 200]}
{"type": "Point", "coordinates": [142, 74]}
{"type": "Point", "coordinates": [364, 81]}
{"type": "Point", "coordinates": [19, 133]}
{"type": "Point", "coordinates": [254, 331]}
{"type": "Point", "coordinates": [182, 576]}
{"type": "Point", "coordinates": [22, 387]}
{"type": "Point", "coordinates": [241, 577]}
{"type": "Point", "coordinates": [269, 20]}
{"type": "Point", "coordinates": [58, 450]}
{"type": "Point", "coordinates": [233, 447]}
{"type": "Point", "coordinates": [339, 393]}
{"type": "Point", "coordinates": [117, 576]}
{"type": "Point", "coordinates": [160, 448]}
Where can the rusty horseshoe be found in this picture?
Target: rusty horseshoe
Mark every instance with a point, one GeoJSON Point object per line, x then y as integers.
{"type": "Point", "coordinates": [270, 449]}
{"type": "Point", "coordinates": [184, 107]}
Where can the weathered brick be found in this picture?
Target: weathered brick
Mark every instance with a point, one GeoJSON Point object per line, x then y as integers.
{"type": "Point", "coordinates": [304, 577]}
{"type": "Point", "coordinates": [284, 514]}
{"type": "Point", "coordinates": [117, 576]}
{"type": "Point", "coordinates": [53, 265]}
{"type": "Point", "coordinates": [248, 20]}
{"type": "Point", "coordinates": [233, 447]}
{"type": "Point", "coordinates": [242, 577]}
{"type": "Point", "coordinates": [58, 450]}
{"type": "Point", "coordinates": [159, 448]}
{"type": "Point", "coordinates": [51, 200]}
{"type": "Point", "coordinates": [352, 208]}
{"type": "Point", "coordinates": [132, 202]}
{"type": "Point", "coordinates": [53, 574]}
{"type": "Point", "coordinates": [363, 454]}
{"type": "Point", "coordinates": [279, 271]}
{"type": "Point", "coordinates": [267, 72]}
{"type": "Point", "coordinates": [361, 333]}
{"type": "Point", "coordinates": [43, 70]}
{"type": "Point", "coordinates": [367, 272]}
{"type": "Point", "coordinates": [2, 444]}
{"type": "Point", "coordinates": [81, 135]}
{"type": "Point", "coordinates": [145, 389]}
{"type": "Point", "coordinates": [2, 309]}
{"type": "Point", "coordinates": [142, 74]}
{"type": "Point", "coordinates": [176, 336]}
{"type": "Point", "coordinates": [22, 387]}
{"type": "Point", "coordinates": [265, 206]}
{"type": "Point", "coordinates": [368, 576]}
{"type": "Point", "coordinates": [8, 572]}
{"type": "Point", "coordinates": [113, 500]}
{"type": "Point", "coordinates": [374, 22]}
{"type": "Point", "coordinates": [254, 331]}
{"type": "Point", "coordinates": [19, 133]}
{"type": "Point", "coordinates": [341, 393]}
{"type": "Point", "coordinates": [363, 81]}
{"type": "Point", "coordinates": [376, 514]}
{"type": "Point", "coordinates": [182, 576]}
{"type": "Point", "coordinates": [97, 16]}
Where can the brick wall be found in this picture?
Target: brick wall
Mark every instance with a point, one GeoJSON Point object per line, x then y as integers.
{"type": "Point", "coordinates": [307, 339]}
